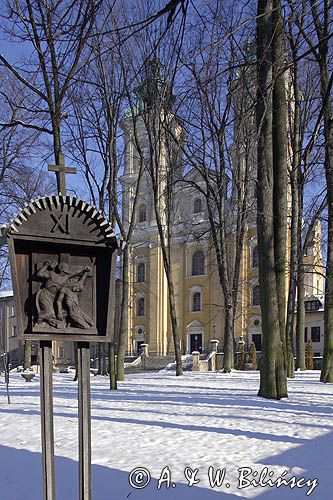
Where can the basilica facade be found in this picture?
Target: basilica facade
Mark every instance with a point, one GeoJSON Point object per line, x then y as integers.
{"type": "Point", "coordinates": [198, 293]}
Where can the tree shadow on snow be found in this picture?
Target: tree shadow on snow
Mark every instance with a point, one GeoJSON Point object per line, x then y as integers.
{"type": "Point", "coordinates": [172, 425]}
{"type": "Point", "coordinates": [315, 457]}
{"type": "Point", "coordinates": [20, 477]}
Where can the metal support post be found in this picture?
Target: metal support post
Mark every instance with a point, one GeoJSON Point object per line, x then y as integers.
{"type": "Point", "coordinates": [46, 394]}
{"type": "Point", "coordinates": [84, 420]}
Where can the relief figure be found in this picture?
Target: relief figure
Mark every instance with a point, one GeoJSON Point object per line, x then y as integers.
{"type": "Point", "coordinates": [69, 299]}
{"type": "Point", "coordinates": [57, 300]}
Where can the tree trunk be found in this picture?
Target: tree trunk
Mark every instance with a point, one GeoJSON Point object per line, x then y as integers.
{"type": "Point", "coordinates": [27, 354]}
{"type": "Point", "coordinates": [291, 304]}
{"type": "Point", "coordinates": [300, 325]}
{"type": "Point", "coordinates": [228, 348]}
{"type": "Point", "coordinates": [165, 246]}
{"type": "Point", "coordinates": [102, 368]}
{"type": "Point", "coordinates": [296, 182]}
{"type": "Point", "coordinates": [171, 291]}
{"type": "Point", "coordinates": [327, 371]}
{"type": "Point", "coordinates": [112, 366]}
{"type": "Point", "coordinates": [273, 381]}
{"type": "Point", "coordinates": [123, 330]}
{"type": "Point", "coordinates": [174, 324]}
{"type": "Point", "coordinates": [280, 159]}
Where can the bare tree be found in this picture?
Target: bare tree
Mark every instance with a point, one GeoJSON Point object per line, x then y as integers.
{"type": "Point", "coordinates": [57, 34]}
{"type": "Point", "coordinates": [323, 27]}
{"type": "Point", "coordinates": [218, 109]}
{"type": "Point", "coordinates": [98, 111]}
{"type": "Point", "coordinates": [271, 218]}
{"type": "Point", "coordinates": [317, 35]}
{"type": "Point", "coordinates": [162, 167]}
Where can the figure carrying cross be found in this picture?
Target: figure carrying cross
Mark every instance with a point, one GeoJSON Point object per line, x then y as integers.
{"type": "Point", "coordinates": [61, 170]}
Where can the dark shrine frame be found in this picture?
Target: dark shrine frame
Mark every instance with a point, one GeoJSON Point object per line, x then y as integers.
{"type": "Point", "coordinates": [63, 258]}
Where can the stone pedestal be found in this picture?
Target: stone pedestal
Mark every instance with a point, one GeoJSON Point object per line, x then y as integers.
{"type": "Point", "coordinates": [196, 359]}
{"type": "Point", "coordinates": [213, 345]}
{"type": "Point", "coordinates": [144, 350]}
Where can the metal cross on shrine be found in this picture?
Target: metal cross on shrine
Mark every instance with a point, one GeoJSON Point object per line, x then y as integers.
{"type": "Point", "coordinates": [61, 170]}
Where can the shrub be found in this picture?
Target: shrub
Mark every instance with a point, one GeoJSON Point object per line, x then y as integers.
{"type": "Point", "coordinates": [309, 355]}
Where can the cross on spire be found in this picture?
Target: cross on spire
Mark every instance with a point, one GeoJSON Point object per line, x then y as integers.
{"type": "Point", "coordinates": [61, 170]}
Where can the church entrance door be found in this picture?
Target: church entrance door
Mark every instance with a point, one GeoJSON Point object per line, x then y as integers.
{"type": "Point", "coordinates": [256, 338]}
{"type": "Point", "coordinates": [196, 342]}
{"type": "Point", "coordinates": [138, 346]}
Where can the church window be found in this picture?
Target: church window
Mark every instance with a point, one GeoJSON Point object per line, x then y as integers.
{"type": "Point", "coordinates": [196, 302]}
{"type": "Point", "coordinates": [312, 305]}
{"type": "Point", "coordinates": [198, 263]}
{"type": "Point", "coordinates": [140, 306]}
{"type": "Point", "coordinates": [197, 208]}
{"type": "Point", "coordinates": [256, 296]}
{"type": "Point", "coordinates": [315, 333]}
{"type": "Point", "coordinates": [142, 213]}
{"type": "Point", "coordinates": [141, 273]}
{"type": "Point", "coordinates": [255, 257]}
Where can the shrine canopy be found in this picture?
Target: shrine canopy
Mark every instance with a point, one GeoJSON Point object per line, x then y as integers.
{"type": "Point", "coordinates": [63, 260]}
{"type": "Point", "coordinates": [62, 218]}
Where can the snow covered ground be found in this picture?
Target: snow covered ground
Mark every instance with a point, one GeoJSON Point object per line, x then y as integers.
{"type": "Point", "coordinates": [156, 421]}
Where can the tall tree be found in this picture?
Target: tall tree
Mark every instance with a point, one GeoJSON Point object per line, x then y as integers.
{"type": "Point", "coordinates": [162, 167]}
{"type": "Point", "coordinates": [271, 218]}
{"type": "Point", "coordinates": [219, 146]}
{"type": "Point", "coordinates": [94, 128]}
{"type": "Point", "coordinates": [280, 170]}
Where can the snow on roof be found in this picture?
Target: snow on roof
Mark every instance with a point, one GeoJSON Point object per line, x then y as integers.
{"type": "Point", "coordinates": [6, 293]}
{"type": "Point", "coordinates": [314, 297]}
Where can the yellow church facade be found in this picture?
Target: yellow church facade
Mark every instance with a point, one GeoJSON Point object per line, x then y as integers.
{"type": "Point", "coordinates": [198, 293]}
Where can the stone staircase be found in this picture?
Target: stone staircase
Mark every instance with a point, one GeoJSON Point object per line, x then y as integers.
{"type": "Point", "coordinates": [148, 363]}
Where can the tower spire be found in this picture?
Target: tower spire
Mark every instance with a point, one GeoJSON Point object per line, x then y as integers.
{"type": "Point", "coordinates": [154, 91]}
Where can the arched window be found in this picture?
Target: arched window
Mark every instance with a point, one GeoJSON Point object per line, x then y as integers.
{"type": "Point", "coordinates": [196, 301]}
{"type": "Point", "coordinates": [140, 306]}
{"type": "Point", "coordinates": [141, 272]}
{"type": "Point", "coordinates": [256, 296]}
{"type": "Point", "coordinates": [142, 216]}
{"type": "Point", "coordinates": [197, 208]}
{"type": "Point", "coordinates": [255, 257]}
{"type": "Point", "coordinates": [198, 263]}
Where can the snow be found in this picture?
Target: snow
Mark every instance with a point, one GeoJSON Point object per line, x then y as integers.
{"type": "Point", "coordinates": [187, 363]}
{"type": "Point", "coordinates": [157, 420]}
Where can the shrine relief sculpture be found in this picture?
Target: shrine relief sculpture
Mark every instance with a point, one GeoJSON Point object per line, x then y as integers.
{"type": "Point", "coordinates": [57, 300]}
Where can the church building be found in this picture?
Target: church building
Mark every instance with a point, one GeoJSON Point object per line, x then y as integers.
{"type": "Point", "coordinates": [198, 293]}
